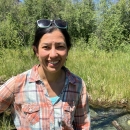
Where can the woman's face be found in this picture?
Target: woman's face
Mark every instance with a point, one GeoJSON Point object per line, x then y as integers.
{"type": "Point", "coordinates": [52, 51]}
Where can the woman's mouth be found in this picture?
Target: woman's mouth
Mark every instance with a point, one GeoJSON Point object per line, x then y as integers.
{"type": "Point", "coordinates": [53, 62]}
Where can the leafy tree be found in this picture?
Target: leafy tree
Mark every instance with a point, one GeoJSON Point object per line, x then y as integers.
{"type": "Point", "coordinates": [109, 34]}
{"type": "Point", "coordinates": [106, 25]}
{"type": "Point", "coordinates": [80, 16]}
{"type": "Point", "coordinates": [8, 33]}
{"type": "Point", "coordinates": [124, 7]}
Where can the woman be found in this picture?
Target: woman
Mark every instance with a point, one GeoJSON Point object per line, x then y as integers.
{"type": "Point", "coordinates": [48, 96]}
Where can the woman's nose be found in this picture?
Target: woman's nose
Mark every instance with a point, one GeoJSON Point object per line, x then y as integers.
{"type": "Point", "coordinates": [53, 53]}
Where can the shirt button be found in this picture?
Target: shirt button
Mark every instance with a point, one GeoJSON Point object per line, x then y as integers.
{"type": "Point", "coordinates": [30, 110]}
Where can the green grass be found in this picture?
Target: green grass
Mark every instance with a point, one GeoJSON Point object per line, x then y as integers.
{"type": "Point", "coordinates": [6, 122]}
{"type": "Point", "coordinates": [107, 75]}
{"type": "Point", "coordinates": [13, 62]}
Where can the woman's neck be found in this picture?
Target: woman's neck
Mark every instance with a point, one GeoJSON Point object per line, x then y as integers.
{"type": "Point", "coordinates": [50, 77]}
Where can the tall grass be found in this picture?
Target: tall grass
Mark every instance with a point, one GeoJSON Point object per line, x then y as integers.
{"type": "Point", "coordinates": [106, 74]}
{"type": "Point", "coordinates": [15, 61]}
{"type": "Point", "coordinates": [6, 122]}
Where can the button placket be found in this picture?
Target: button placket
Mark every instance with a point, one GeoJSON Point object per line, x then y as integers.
{"type": "Point", "coordinates": [30, 109]}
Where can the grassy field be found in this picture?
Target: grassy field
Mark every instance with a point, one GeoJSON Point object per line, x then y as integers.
{"type": "Point", "coordinates": [107, 75]}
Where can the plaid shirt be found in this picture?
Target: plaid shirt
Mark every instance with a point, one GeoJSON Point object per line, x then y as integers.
{"type": "Point", "coordinates": [32, 108]}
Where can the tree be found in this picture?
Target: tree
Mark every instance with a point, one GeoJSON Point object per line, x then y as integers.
{"type": "Point", "coordinates": [109, 34]}
{"type": "Point", "coordinates": [8, 32]}
{"type": "Point", "coordinates": [106, 25]}
{"type": "Point", "coordinates": [80, 16]}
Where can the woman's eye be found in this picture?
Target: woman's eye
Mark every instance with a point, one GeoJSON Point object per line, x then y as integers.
{"type": "Point", "coordinates": [61, 47]}
{"type": "Point", "coordinates": [45, 47]}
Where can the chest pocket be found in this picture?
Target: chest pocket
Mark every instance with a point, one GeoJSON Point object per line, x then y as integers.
{"type": "Point", "coordinates": [68, 111]}
{"type": "Point", "coordinates": [30, 114]}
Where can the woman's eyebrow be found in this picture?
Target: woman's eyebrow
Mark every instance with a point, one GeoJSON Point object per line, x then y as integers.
{"type": "Point", "coordinates": [60, 43]}
{"type": "Point", "coordinates": [57, 43]}
{"type": "Point", "coordinates": [45, 43]}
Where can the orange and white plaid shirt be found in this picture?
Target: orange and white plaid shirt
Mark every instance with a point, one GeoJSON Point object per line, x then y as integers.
{"type": "Point", "coordinates": [32, 108]}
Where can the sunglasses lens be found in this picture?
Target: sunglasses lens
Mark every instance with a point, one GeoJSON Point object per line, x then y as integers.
{"type": "Point", "coordinates": [43, 23]}
{"type": "Point", "coordinates": [61, 23]}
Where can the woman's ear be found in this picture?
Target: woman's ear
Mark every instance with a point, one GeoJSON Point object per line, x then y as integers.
{"type": "Point", "coordinates": [35, 50]}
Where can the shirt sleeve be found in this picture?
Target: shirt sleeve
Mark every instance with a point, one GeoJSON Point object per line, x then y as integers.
{"type": "Point", "coordinates": [82, 114]}
{"type": "Point", "coordinates": [6, 94]}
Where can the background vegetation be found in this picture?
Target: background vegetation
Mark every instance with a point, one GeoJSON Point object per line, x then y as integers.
{"type": "Point", "coordinates": [104, 24]}
{"type": "Point", "coordinates": [100, 34]}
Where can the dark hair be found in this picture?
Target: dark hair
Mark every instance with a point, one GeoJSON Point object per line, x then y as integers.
{"type": "Point", "coordinates": [41, 31]}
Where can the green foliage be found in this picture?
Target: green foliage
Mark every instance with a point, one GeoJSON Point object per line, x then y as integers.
{"type": "Point", "coordinates": [106, 74]}
{"type": "Point", "coordinates": [105, 24]}
{"type": "Point", "coordinates": [15, 61]}
{"type": "Point", "coordinates": [6, 122]}
{"type": "Point", "coordinates": [80, 16]}
{"type": "Point", "coordinates": [112, 31]}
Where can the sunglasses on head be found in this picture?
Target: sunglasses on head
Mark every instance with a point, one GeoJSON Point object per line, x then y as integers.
{"type": "Point", "coordinates": [45, 23]}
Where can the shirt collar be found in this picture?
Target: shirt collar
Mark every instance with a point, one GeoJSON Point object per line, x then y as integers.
{"type": "Point", "coordinates": [70, 76]}
{"type": "Point", "coordinates": [34, 76]}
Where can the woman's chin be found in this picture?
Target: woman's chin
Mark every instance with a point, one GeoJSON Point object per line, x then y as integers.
{"type": "Point", "coordinates": [53, 69]}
